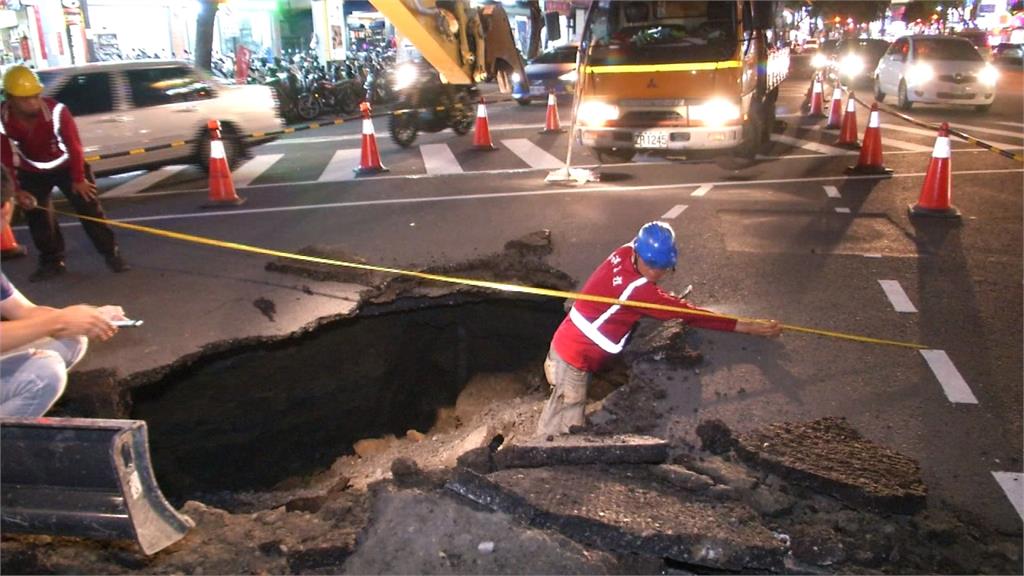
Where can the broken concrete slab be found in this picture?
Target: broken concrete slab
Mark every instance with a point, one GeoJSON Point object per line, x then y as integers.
{"type": "Point", "coordinates": [328, 272]}
{"type": "Point", "coordinates": [627, 509]}
{"type": "Point", "coordinates": [830, 456]}
{"type": "Point", "coordinates": [577, 449]}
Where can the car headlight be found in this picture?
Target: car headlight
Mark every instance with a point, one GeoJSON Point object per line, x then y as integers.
{"type": "Point", "coordinates": [516, 78]}
{"type": "Point", "coordinates": [715, 112]}
{"type": "Point", "coordinates": [405, 75]}
{"type": "Point", "coordinates": [595, 113]}
{"type": "Point", "coordinates": [851, 65]}
{"type": "Point", "coordinates": [571, 76]}
{"type": "Point", "coordinates": [918, 74]}
{"type": "Point", "coordinates": [988, 75]}
{"type": "Point", "coordinates": [819, 60]}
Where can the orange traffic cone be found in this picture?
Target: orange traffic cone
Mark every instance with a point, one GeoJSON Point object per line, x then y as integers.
{"type": "Point", "coordinates": [870, 161]}
{"type": "Point", "coordinates": [9, 247]}
{"type": "Point", "coordinates": [482, 131]}
{"type": "Point", "coordinates": [835, 109]}
{"type": "Point", "coordinates": [816, 96]}
{"type": "Point", "coordinates": [551, 125]}
{"type": "Point", "coordinates": [222, 188]}
{"type": "Point", "coordinates": [369, 158]}
{"type": "Point", "coordinates": [934, 198]}
{"type": "Point", "coordinates": [848, 133]}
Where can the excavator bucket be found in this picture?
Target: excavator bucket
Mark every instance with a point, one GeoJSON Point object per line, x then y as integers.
{"type": "Point", "coordinates": [84, 477]}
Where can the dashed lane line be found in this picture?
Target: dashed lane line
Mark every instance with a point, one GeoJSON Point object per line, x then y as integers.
{"type": "Point", "coordinates": [1012, 484]}
{"type": "Point", "coordinates": [702, 190]}
{"type": "Point", "coordinates": [251, 170]}
{"type": "Point", "coordinates": [953, 384]}
{"type": "Point", "coordinates": [674, 212]}
{"type": "Point", "coordinates": [812, 146]}
{"type": "Point", "coordinates": [832, 191]}
{"type": "Point", "coordinates": [897, 297]}
{"type": "Point", "coordinates": [532, 154]}
{"type": "Point", "coordinates": [145, 181]}
{"type": "Point", "coordinates": [842, 210]}
{"type": "Point", "coordinates": [439, 159]}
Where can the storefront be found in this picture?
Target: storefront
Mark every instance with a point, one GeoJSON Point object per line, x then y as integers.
{"type": "Point", "coordinates": [42, 33]}
{"type": "Point", "coordinates": [348, 26]}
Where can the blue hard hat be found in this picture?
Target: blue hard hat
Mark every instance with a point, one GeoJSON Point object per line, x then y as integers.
{"type": "Point", "coordinates": [655, 244]}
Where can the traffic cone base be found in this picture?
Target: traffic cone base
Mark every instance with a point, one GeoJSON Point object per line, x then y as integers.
{"type": "Point", "coordinates": [551, 123]}
{"type": "Point", "coordinates": [369, 157]}
{"type": "Point", "coordinates": [949, 212]}
{"type": "Point", "coordinates": [222, 188]}
{"type": "Point", "coordinates": [482, 130]}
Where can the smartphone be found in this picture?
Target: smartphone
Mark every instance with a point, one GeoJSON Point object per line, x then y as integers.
{"type": "Point", "coordinates": [126, 322]}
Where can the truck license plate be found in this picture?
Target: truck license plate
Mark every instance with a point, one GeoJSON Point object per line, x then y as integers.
{"type": "Point", "coordinates": [651, 140]}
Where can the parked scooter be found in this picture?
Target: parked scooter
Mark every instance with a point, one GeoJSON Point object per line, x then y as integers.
{"type": "Point", "coordinates": [427, 104]}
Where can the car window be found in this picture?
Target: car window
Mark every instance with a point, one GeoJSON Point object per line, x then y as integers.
{"type": "Point", "coordinates": [947, 49]}
{"type": "Point", "coordinates": [87, 94]}
{"type": "Point", "coordinates": [172, 85]}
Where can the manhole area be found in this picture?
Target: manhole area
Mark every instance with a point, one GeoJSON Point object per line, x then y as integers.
{"type": "Point", "coordinates": [271, 412]}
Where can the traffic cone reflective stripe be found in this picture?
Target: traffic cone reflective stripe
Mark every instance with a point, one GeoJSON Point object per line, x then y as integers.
{"type": "Point", "coordinates": [934, 199]}
{"type": "Point", "coordinates": [551, 124]}
{"type": "Point", "coordinates": [870, 160]}
{"type": "Point", "coordinates": [482, 130]}
{"type": "Point", "coordinates": [369, 157]}
{"type": "Point", "coordinates": [816, 96]}
{"type": "Point", "coordinates": [222, 188]}
{"type": "Point", "coordinates": [848, 133]}
{"type": "Point", "coordinates": [835, 108]}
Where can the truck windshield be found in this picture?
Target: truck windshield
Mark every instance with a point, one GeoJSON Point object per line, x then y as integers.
{"type": "Point", "coordinates": [625, 32]}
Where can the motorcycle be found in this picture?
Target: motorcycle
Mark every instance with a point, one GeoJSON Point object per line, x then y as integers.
{"type": "Point", "coordinates": [429, 105]}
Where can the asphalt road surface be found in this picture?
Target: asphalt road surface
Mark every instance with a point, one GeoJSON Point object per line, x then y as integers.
{"type": "Point", "coordinates": [790, 237]}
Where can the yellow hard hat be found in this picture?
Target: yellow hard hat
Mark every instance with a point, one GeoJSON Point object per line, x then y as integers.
{"type": "Point", "coordinates": [22, 81]}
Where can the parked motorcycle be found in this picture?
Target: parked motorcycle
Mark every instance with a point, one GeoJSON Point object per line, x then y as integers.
{"type": "Point", "coordinates": [429, 105]}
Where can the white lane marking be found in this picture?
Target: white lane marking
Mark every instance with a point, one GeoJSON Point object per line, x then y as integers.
{"type": "Point", "coordinates": [932, 134]}
{"type": "Point", "coordinates": [252, 169]}
{"type": "Point", "coordinates": [344, 137]}
{"type": "Point", "coordinates": [342, 166]}
{"type": "Point", "coordinates": [439, 159]}
{"type": "Point", "coordinates": [893, 143]}
{"type": "Point", "coordinates": [813, 146]}
{"type": "Point", "coordinates": [969, 129]}
{"type": "Point", "coordinates": [532, 154]}
{"type": "Point", "coordinates": [145, 181]}
{"type": "Point", "coordinates": [1017, 124]}
{"type": "Point", "coordinates": [832, 192]}
{"type": "Point", "coordinates": [953, 384]}
{"type": "Point", "coordinates": [526, 193]}
{"type": "Point", "coordinates": [899, 299]}
{"type": "Point", "coordinates": [1012, 484]}
{"type": "Point", "coordinates": [871, 255]}
{"type": "Point", "coordinates": [675, 211]}
{"type": "Point", "coordinates": [702, 190]}
{"type": "Point", "coordinates": [842, 210]}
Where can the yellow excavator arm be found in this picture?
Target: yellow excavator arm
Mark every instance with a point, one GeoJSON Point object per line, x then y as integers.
{"type": "Point", "coordinates": [465, 44]}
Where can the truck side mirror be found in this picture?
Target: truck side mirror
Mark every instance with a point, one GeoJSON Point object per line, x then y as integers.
{"type": "Point", "coordinates": [552, 26]}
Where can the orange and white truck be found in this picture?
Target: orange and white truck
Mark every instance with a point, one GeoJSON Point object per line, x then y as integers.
{"type": "Point", "coordinates": [671, 76]}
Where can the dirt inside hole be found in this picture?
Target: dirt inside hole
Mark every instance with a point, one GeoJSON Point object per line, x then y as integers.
{"type": "Point", "coordinates": [266, 413]}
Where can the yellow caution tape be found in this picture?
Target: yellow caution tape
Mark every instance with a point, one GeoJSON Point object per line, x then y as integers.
{"type": "Point", "coordinates": [678, 67]}
{"type": "Point", "coordinates": [500, 286]}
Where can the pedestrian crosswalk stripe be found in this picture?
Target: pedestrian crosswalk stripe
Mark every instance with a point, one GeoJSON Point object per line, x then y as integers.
{"type": "Point", "coordinates": [251, 170]}
{"type": "Point", "coordinates": [897, 297]}
{"type": "Point", "coordinates": [438, 159]}
{"type": "Point", "coordinates": [813, 146]}
{"type": "Point", "coordinates": [1012, 484]}
{"type": "Point", "coordinates": [341, 166]}
{"type": "Point", "coordinates": [932, 134]}
{"type": "Point", "coordinates": [953, 384]}
{"type": "Point", "coordinates": [145, 181]}
{"type": "Point", "coordinates": [893, 143]}
{"type": "Point", "coordinates": [701, 190]}
{"type": "Point", "coordinates": [674, 212]}
{"type": "Point", "coordinates": [532, 154]}
{"type": "Point", "coordinates": [996, 131]}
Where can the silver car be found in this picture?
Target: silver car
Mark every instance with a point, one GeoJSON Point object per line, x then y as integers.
{"type": "Point", "coordinates": [122, 106]}
{"type": "Point", "coordinates": [935, 70]}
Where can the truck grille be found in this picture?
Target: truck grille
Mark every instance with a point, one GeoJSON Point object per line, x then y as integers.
{"type": "Point", "coordinates": [652, 118]}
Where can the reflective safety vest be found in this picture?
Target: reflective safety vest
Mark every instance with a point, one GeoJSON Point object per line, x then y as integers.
{"type": "Point", "coordinates": [55, 115]}
{"type": "Point", "coordinates": [592, 330]}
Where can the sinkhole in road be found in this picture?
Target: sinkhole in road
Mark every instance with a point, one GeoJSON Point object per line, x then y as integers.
{"type": "Point", "coordinates": [265, 412]}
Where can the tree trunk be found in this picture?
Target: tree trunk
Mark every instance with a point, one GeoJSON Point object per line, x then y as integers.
{"type": "Point", "coordinates": [204, 33]}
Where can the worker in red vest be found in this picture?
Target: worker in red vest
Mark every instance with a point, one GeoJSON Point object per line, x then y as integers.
{"type": "Point", "coordinates": [593, 332]}
{"type": "Point", "coordinates": [39, 144]}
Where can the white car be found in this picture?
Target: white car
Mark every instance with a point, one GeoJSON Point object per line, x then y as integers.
{"type": "Point", "coordinates": [122, 106]}
{"type": "Point", "coordinates": [935, 70]}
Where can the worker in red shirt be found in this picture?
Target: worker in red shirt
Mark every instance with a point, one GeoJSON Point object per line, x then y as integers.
{"type": "Point", "coordinates": [593, 332]}
{"type": "Point", "coordinates": [39, 144]}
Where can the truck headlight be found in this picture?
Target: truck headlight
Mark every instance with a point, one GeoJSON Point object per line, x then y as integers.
{"type": "Point", "coordinates": [571, 76]}
{"type": "Point", "coordinates": [596, 113]}
{"type": "Point", "coordinates": [405, 75]}
{"type": "Point", "coordinates": [988, 75]}
{"type": "Point", "coordinates": [819, 60]}
{"type": "Point", "coordinates": [715, 112]}
{"type": "Point", "coordinates": [851, 65]}
{"type": "Point", "coordinates": [918, 74]}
